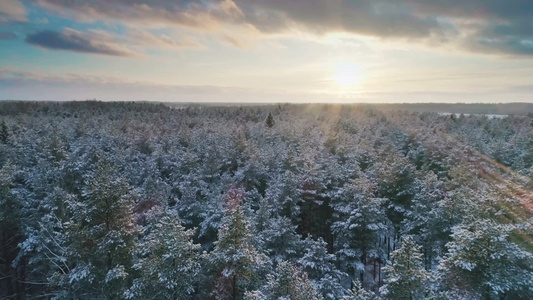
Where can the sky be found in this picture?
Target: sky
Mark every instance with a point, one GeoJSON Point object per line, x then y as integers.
{"type": "Point", "coordinates": [267, 50]}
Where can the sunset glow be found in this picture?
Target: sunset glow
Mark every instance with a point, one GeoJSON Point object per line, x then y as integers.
{"type": "Point", "coordinates": [264, 51]}
{"type": "Point", "coordinates": [348, 75]}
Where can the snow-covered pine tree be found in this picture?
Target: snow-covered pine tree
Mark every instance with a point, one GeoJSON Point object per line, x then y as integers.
{"type": "Point", "coordinates": [406, 277]}
{"type": "Point", "coordinates": [11, 234]}
{"type": "Point", "coordinates": [321, 268]}
{"type": "Point", "coordinates": [168, 262]}
{"type": "Point", "coordinates": [483, 262]}
{"type": "Point", "coordinates": [283, 194]}
{"type": "Point", "coordinates": [279, 239]}
{"type": "Point", "coordinates": [4, 132]}
{"type": "Point", "coordinates": [396, 182]}
{"type": "Point", "coordinates": [360, 225]}
{"type": "Point", "coordinates": [46, 244]}
{"type": "Point", "coordinates": [426, 221]}
{"type": "Point", "coordinates": [287, 282]}
{"type": "Point", "coordinates": [357, 292]}
{"type": "Point", "coordinates": [270, 120]}
{"type": "Point", "coordinates": [235, 261]}
{"type": "Point", "coordinates": [101, 236]}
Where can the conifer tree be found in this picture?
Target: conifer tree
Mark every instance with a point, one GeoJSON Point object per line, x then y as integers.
{"type": "Point", "coordinates": [288, 282]}
{"type": "Point", "coordinates": [483, 262]}
{"type": "Point", "coordinates": [397, 184]}
{"type": "Point", "coordinates": [235, 259]}
{"type": "Point", "coordinates": [168, 260]}
{"type": "Point", "coordinates": [101, 236]}
{"type": "Point", "coordinates": [270, 120]}
{"type": "Point", "coordinates": [359, 293]}
{"type": "Point", "coordinates": [406, 277]}
{"type": "Point", "coordinates": [46, 243]}
{"type": "Point", "coordinates": [360, 223]}
{"type": "Point", "coordinates": [279, 239]}
{"type": "Point", "coordinates": [4, 132]}
{"type": "Point", "coordinates": [427, 221]}
{"type": "Point", "coordinates": [10, 234]}
{"type": "Point", "coordinates": [320, 266]}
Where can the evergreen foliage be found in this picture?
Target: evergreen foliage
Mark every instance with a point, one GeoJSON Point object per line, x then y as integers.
{"type": "Point", "coordinates": [235, 260]}
{"type": "Point", "coordinates": [359, 293]}
{"type": "Point", "coordinates": [406, 276]}
{"type": "Point", "coordinates": [167, 260]}
{"type": "Point", "coordinates": [139, 201]}
{"type": "Point", "coordinates": [4, 132]}
{"type": "Point", "coordinates": [287, 283]}
{"type": "Point", "coordinates": [270, 120]}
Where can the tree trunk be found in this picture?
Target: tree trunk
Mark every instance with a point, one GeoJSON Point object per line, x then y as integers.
{"type": "Point", "coordinates": [234, 288]}
{"type": "Point", "coordinates": [374, 273]}
{"type": "Point", "coordinates": [379, 273]}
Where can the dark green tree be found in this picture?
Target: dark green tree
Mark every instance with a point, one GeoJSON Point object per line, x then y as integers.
{"type": "Point", "coordinates": [484, 262]}
{"type": "Point", "coordinates": [167, 259]}
{"type": "Point", "coordinates": [270, 120]}
{"type": "Point", "coordinates": [359, 293]}
{"type": "Point", "coordinates": [101, 237]}
{"type": "Point", "coordinates": [4, 132]}
{"type": "Point", "coordinates": [406, 277]}
{"type": "Point", "coordinates": [10, 234]}
{"type": "Point", "coordinates": [288, 282]}
{"type": "Point", "coordinates": [235, 259]}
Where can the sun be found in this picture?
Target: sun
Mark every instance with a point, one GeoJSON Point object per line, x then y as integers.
{"type": "Point", "coordinates": [347, 74]}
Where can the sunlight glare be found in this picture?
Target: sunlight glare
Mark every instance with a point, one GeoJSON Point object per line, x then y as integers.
{"type": "Point", "coordinates": [348, 74]}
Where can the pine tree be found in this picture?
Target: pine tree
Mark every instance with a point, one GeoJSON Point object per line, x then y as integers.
{"type": "Point", "coordinates": [279, 239]}
{"type": "Point", "coordinates": [10, 234]}
{"type": "Point", "coordinates": [397, 184]}
{"type": "Point", "coordinates": [359, 293]}
{"type": "Point", "coordinates": [235, 259]}
{"type": "Point", "coordinates": [168, 260]}
{"type": "Point", "coordinates": [270, 120]}
{"type": "Point", "coordinates": [284, 195]}
{"type": "Point", "coordinates": [484, 263]}
{"type": "Point", "coordinates": [427, 221]}
{"type": "Point", "coordinates": [101, 237]}
{"type": "Point", "coordinates": [4, 132]}
{"type": "Point", "coordinates": [360, 224]}
{"type": "Point", "coordinates": [406, 277]}
{"type": "Point", "coordinates": [46, 243]}
{"type": "Point", "coordinates": [286, 283]}
{"type": "Point", "coordinates": [320, 266]}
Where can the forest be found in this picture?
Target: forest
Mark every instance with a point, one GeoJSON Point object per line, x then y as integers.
{"type": "Point", "coordinates": [124, 200]}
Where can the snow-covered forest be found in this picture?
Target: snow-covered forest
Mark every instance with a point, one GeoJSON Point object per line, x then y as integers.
{"type": "Point", "coordinates": [143, 201]}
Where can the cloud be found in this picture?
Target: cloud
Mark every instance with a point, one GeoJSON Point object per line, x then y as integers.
{"type": "Point", "coordinates": [512, 39]}
{"type": "Point", "coordinates": [374, 18]}
{"type": "Point", "coordinates": [12, 10]}
{"type": "Point", "coordinates": [502, 27]}
{"type": "Point", "coordinates": [475, 9]}
{"type": "Point", "coordinates": [76, 41]}
{"type": "Point", "coordinates": [17, 84]}
{"type": "Point", "coordinates": [526, 89]}
{"type": "Point", "coordinates": [99, 41]}
{"type": "Point", "coordinates": [146, 38]}
{"type": "Point", "coordinates": [200, 14]}
{"type": "Point", "coordinates": [6, 35]}
{"type": "Point", "coordinates": [507, 46]}
{"type": "Point", "coordinates": [377, 18]}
